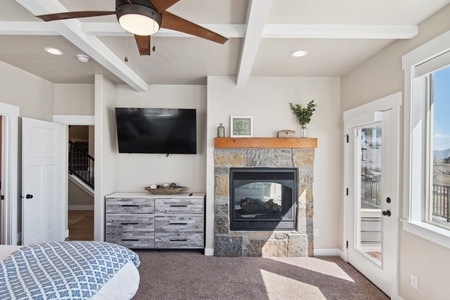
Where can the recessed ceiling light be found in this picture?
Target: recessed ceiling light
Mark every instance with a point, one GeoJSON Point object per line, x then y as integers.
{"type": "Point", "coordinates": [53, 51]}
{"type": "Point", "coordinates": [83, 58]}
{"type": "Point", "coordinates": [299, 53]}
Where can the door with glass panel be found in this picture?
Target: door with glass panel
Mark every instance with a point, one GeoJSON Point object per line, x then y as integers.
{"type": "Point", "coordinates": [371, 209]}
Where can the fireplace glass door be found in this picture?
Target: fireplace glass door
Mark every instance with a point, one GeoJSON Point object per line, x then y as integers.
{"type": "Point", "coordinates": [263, 198]}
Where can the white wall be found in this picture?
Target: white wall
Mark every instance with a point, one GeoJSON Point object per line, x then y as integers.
{"type": "Point", "coordinates": [379, 76]}
{"type": "Point", "coordinates": [32, 94]}
{"type": "Point", "coordinates": [267, 100]}
{"type": "Point", "coordinates": [137, 171]}
{"type": "Point", "coordinates": [105, 165]}
{"type": "Point", "coordinates": [74, 99]}
{"type": "Point", "coordinates": [34, 98]}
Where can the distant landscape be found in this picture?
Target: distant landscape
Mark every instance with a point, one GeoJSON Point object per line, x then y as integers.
{"type": "Point", "coordinates": [441, 154]}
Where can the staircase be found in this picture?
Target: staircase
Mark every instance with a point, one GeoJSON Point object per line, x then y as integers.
{"type": "Point", "coordinates": [81, 164]}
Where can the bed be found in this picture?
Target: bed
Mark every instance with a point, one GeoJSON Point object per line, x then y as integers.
{"type": "Point", "coordinates": [68, 270]}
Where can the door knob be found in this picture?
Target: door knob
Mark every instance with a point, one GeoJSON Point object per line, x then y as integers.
{"type": "Point", "coordinates": [29, 196]}
{"type": "Point", "coordinates": [388, 200]}
{"type": "Point", "coordinates": [386, 213]}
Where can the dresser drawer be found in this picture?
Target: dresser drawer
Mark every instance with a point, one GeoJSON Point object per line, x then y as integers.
{"type": "Point", "coordinates": [178, 223]}
{"type": "Point", "coordinates": [179, 206]}
{"type": "Point", "coordinates": [179, 240]}
{"type": "Point", "coordinates": [134, 242]}
{"type": "Point", "coordinates": [130, 205]}
{"type": "Point", "coordinates": [130, 230]}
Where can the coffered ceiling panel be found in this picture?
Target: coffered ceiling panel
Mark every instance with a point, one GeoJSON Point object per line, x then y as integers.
{"type": "Point", "coordinates": [338, 35]}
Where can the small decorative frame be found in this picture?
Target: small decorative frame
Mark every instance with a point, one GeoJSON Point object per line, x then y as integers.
{"type": "Point", "coordinates": [241, 126]}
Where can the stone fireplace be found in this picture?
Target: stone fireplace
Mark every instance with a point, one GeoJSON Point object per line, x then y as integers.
{"type": "Point", "coordinates": [287, 229]}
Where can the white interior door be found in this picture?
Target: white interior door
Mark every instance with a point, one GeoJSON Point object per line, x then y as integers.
{"type": "Point", "coordinates": [372, 210]}
{"type": "Point", "coordinates": [42, 181]}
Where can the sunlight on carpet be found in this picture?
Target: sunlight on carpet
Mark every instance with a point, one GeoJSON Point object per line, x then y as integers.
{"type": "Point", "coordinates": [316, 265]}
{"type": "Point", "coordinates": [280, 288]}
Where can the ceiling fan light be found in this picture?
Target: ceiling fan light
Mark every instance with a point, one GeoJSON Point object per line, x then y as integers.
{"type": "Point", "coordinates": [138, 24]}
{"type": "Point", "coordinates": [139, 17]}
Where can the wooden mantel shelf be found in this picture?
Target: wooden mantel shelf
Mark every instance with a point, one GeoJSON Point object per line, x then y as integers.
{"type": "Point", "coordinates": [265, 143]}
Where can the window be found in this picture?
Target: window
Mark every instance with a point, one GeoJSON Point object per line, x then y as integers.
{"type": "Point", "coordinates": [437, 200]}
{"type": "Point", "coordinates": [427, 141]}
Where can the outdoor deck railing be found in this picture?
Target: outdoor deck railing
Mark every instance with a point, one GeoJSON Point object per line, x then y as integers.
{"type": "Point", "coordinates": [441, 198]}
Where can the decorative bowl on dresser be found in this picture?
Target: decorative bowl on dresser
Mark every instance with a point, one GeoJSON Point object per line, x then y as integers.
{"type": "Point", "coordinates": [144, 221]}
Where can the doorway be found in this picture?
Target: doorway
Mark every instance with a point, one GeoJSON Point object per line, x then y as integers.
{"type": "Point", "coordinates": [372, 190]}
{"type": "Point", "coordinates": [81, 182]}
{"type": "Point", "coordinates": [79, 230]}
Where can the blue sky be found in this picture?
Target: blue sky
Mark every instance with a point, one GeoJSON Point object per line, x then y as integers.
{"type": "Point", "coordinates": [442, 109]}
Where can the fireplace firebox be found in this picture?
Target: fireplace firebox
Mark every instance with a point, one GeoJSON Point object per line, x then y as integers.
{"type": "Point", "coordinates": [263, 199]}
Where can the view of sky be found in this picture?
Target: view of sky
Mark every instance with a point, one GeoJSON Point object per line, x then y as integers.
{"type": "Point", "coordinates": [442, 109]}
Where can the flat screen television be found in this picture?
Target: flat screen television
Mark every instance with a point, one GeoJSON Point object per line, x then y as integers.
{"type": "Point", "coordinates": [156, 130]}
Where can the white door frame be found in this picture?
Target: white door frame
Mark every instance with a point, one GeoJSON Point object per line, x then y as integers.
{"type": "Point", "coordinates": [67, 120]}
{"type": "Point", "coordinates": [10, 142]}
{"type": "Point", "coordinates": [392, 102]}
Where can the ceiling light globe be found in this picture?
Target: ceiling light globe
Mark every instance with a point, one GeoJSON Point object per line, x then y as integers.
{"type": "Point", "coordinates": [139, 17]}
{"type": "Point", "coordinates": [139, 24]}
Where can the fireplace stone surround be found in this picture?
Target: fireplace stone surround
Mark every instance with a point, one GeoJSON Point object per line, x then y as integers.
{"type": "Point", "coordinates": [275, 153]}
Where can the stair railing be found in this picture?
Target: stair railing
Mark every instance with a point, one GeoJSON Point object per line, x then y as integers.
{"type": "Point", "coordinates": [81, 164]}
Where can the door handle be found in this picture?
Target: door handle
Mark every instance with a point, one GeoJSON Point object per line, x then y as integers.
{"type": "Point", "coordinates": [386, 213]}
{"type": "Point", "coordinates": [29, 196]}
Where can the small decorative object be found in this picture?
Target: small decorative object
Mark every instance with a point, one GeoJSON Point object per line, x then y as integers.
{"type": "Point", "coordinates": [303, 115]}
{"type": "Point", "coordinates": [221, 131]}
{"type": "Point", "coordinates": [165, 188]}
{"type": "Point", "coordinates": [241, 126]}
{"type": "Point", "coordinates": [286, 133]}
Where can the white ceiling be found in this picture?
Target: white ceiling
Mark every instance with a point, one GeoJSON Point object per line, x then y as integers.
{"type": "Point", "coordinates": [262, 33]}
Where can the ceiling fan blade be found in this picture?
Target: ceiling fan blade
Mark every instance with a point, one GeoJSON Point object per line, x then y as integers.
{"type": "Point", "coordinates": [74, 14]}
{"type": "Point", "coordinates": [171, 21]}
{"type": "Point", "coordinates": [162, 5]}
{"type": "Point", "coordinates": [143, 43]}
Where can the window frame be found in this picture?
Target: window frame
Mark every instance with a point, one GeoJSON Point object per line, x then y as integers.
{"type": "Point", "coordinates": [415, 140]}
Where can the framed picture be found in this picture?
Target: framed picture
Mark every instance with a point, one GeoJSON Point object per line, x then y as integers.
{"type": "Point", "coordinates": [241, 126]}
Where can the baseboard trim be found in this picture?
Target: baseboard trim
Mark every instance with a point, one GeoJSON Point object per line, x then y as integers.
{"type": "Point", "coordinates": [328, 252]}
{"type": "Point", "coordinates": [81, 207]}
{"type": "Point", "coordinates": [209, 251]}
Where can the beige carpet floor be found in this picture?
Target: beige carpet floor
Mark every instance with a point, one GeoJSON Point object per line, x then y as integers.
{"type": "Point", "coordinates": [191, 275]}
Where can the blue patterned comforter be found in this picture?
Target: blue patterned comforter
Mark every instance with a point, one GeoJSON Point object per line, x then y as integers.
{"type": "Point", "coordinates": [61, 270]}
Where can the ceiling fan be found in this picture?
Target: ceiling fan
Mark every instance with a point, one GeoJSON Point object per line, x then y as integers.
{"type": "Point", "coordinates": [144, 18]}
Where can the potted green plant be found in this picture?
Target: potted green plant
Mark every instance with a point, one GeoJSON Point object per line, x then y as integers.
{"type": "Point", "coordinates": [304, 115]}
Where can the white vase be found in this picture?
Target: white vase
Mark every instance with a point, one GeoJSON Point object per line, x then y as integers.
{"type": "Point", "coordinates": [303, 131]}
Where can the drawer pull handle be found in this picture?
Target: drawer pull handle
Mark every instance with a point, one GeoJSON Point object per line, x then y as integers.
{"type": "Point", "coordinates": [129, 205]}
{"type": "Point", "coordinates": [129, 223]}
{"type": "Point", "coordinates": [178, 205]}
{"type": "Point", "coordinates": [178, 223]}
{"type": "Point", "coordinates": [178, 240]}
{"type": "Point", "coordinates": [130, 240]}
